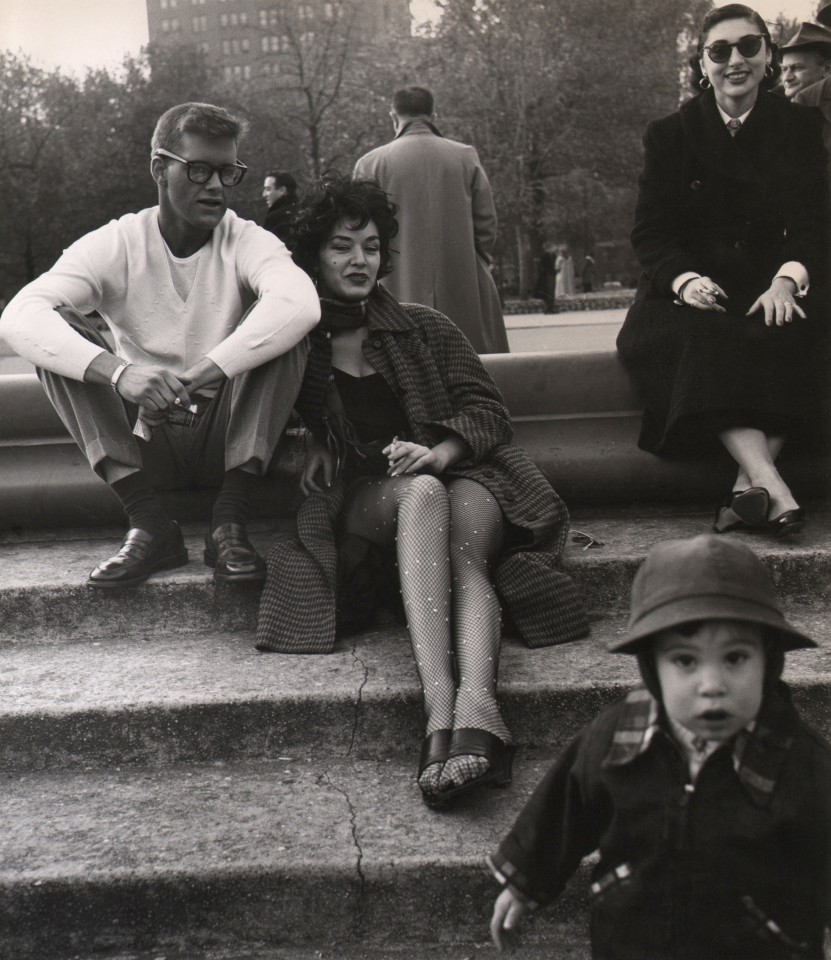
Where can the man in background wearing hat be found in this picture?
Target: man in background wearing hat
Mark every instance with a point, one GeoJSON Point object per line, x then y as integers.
{"type": "Point", "coordinates": [811, 44]}
{"type": "Point", "coordinates": [806, 58]}
{"type": "Point", "coordinates": [708, 798]}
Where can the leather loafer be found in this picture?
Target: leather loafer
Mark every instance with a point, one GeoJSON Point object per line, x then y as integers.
{"type": "Point", "coordinates": [232, 555]}
{"type": "Point", "coordinates": [141, 554]}
{"type": "Point", "coordinates": [791, 521]}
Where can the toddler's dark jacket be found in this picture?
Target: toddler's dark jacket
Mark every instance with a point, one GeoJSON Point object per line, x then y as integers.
{"type": "Point", "coordinates": [736, 867]}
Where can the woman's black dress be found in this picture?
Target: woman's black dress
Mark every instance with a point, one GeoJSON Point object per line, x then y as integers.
{"type": "Point", "coordinates": [735, 209]}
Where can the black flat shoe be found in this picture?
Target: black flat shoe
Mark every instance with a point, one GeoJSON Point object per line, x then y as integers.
{"type": "Point", "coordinates": [434, 749]}
{"type": "Point", "coordinates": [791, 521]}
{"type": "Point", "coordinates": [141, 555]}
{"type": "Point", "coordinates": [473, 742]}
{"type": "Point", "coordinates": [232, 555]}
{"type": "Point", "coordinates": [744, 510]}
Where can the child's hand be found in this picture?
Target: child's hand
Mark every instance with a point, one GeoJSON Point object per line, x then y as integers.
{"type": "Point", "coordinates": [507, 915]}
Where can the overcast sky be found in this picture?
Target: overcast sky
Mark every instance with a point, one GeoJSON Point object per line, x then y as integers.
{"type": "Point", "coordinates": [75, 34]}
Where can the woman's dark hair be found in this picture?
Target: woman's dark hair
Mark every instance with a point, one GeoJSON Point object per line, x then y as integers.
{"type": "Point", "coordinates": [735, 11]}
{"type": "Point", "coordinates": [334, 198]}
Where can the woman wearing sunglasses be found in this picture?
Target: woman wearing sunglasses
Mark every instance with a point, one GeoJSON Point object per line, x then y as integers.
{"type": "Point", "coordinates": [723, 339]}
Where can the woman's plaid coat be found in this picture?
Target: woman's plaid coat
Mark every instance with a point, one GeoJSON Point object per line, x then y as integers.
{"type": "Point", "coordinates": [444, 390]}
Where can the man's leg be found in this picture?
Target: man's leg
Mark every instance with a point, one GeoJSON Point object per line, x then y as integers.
{"type": "Point", "coordinates": [242, 429]}
{"type": "Point", "coordinates": [99, 422]}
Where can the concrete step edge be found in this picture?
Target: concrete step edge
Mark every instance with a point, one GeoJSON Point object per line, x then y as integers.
{"type": "Point", "coordinates": [286, 852]}
{"type": "Point", "coordinates": [199, 698]}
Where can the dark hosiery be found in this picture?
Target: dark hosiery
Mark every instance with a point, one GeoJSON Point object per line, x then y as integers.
{"type": "Point", "coordinates": [413, 513]}
{"type": "Point", "coordinates": [477, 527]}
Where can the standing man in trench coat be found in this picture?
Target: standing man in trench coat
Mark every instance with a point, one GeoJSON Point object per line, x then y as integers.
{"type": "Point", "coordinates": [447, 218]}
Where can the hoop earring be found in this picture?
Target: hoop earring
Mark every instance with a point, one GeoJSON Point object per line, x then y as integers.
{"type": "Point", "coordinates": [704, 82]}
{"type": "Point", "coordinates": [769, 70]}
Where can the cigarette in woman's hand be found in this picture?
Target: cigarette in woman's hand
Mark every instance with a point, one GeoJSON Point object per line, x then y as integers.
{"type": "Point", "coordinates": [393, 444]}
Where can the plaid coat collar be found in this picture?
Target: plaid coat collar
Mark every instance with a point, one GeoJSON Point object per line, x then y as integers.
{"type": "Point", "coordinates": [758, 754]}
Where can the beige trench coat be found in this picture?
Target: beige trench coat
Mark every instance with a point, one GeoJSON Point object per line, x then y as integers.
{"type": "Point", "coordinates": [447, 230]}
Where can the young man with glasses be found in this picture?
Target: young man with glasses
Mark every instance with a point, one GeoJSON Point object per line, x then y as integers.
{"type": "Point", "coordinates": [209, 317]}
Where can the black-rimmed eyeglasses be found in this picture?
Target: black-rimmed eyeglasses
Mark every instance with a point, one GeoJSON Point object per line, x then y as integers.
{"type": "Point", "coordinates": [200, 171]}
{"type": "Point", "coordinates": [748, 46]}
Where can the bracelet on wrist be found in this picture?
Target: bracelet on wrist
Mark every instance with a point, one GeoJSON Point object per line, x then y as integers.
{"type": "Point", "coordinates": [117, 376]}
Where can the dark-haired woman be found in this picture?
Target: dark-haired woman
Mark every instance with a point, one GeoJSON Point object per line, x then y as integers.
{"type": "Point", "coordinates": [410, 452]}
{"type": "Point", "coordinates": [725, 334]}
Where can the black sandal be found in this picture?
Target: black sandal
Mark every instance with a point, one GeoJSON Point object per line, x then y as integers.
{"type": "Point", "coordinates": [742, 510]}
{"type": "Point", "coordinates": [434, 749]}
{"type": "Point", "coordinates": [473, 742]}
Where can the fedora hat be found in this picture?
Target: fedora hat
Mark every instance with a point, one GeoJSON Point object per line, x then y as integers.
{"type": "Point", "coordinates": [705, 578]}
{"type": "Point", "coordinates": [809, 35]}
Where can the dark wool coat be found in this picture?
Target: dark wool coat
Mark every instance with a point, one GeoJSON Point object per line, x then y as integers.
{"type": "Point", "coordinates": [734, 867]}
{"type": "Point", "coordinates": [444, 390]}
{"type": "Point", "coordinates": [279, 216]}
{"type": "Point", "coordinates": [735, 209]}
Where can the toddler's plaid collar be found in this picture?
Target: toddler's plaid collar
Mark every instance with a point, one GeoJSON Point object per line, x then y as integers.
{"type": "Point", "coordinates": [759, 751]}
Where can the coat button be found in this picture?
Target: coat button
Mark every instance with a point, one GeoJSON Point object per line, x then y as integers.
{"type": "Point", "coordinates": [695, 185]}
{"type": "Point", "coordinates": [740, 244]}
{"type": "Point", "coordinates": [509, 495]}
{"type": "Point", "coordinates": [488, 474]}
{"type": "Point", "coordinates": [531, 516]}
{"type": "Point", "coordinates": [376, 342]}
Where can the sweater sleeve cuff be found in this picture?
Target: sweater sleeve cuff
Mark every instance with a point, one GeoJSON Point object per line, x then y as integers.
{"type": "Point", "coordinates": [795, 271]}
{"type": "Point", "coordinates": [681, 279]}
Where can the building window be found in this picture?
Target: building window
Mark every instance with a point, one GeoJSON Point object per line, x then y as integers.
{"type": "Point", "coordinates": [246, 71]}
{"type": "Point", "coordinates": [243, 19]}
{"type": "Point", "coordinates": [204, 47]}
{"type": "Point", "coordinates": [328, 11]}
{"type": "Point", "coordinates": [234, 19]}
{"type": "Point", "coordinates": [165, 26]}
{"type": "Point", "coordinates": [163, 4]}
{"type": "Point", "coordinates": [246, 44]}
{"type": "Point", "coordinates": [226, 48]}
{"type": "Point", "coordinates": [174, 3]}
{"type": "Point", "coordinates": [223, 20]}
{"type": "Point", "coordinates": [227, 74]}
{"type": "Point", "coordinates": [200, 24]}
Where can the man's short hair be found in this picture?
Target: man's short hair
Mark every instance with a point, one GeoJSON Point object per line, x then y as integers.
{"type": "Point", "coordinates": [201, 118]}
{"type": "Point", "coordinates": [282, 178]}
{"type": "Point", "coordinates": [413, 102]}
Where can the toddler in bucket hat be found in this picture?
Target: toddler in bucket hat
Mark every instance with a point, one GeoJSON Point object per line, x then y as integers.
{"type": "Point", "coordinates": [705, 578]}
{"type": "Point", "coordinates": [706, 795]}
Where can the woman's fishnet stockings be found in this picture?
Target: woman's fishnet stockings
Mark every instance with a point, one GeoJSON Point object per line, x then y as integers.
{"type": "Point", "coordinates": [414, 513]}
{"type": "Point", "coordinates": [476, 532]}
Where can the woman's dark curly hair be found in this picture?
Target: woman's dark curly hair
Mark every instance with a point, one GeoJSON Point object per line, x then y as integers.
{"type": "Point", "coordinates": [331, 199]}
{"type": "Point", "coordinates": [735, 11]}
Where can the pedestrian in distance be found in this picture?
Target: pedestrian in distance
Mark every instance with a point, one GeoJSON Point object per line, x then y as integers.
{"type": "Point", "coordinates": [209, 316]}
{"type": "Point", "coordinates": [725, 338]}
{"type": "Point", "coordinates": [706, 795]}
{"type": "Point", "coordinates": [280, 193]}
{"type": "Point", "coordinates": [412, 480]}
{"type": "Point", "coordinates": [447, 221]}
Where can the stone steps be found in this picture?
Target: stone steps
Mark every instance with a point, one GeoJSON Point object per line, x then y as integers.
{"type": "Point", "coordinates": [287, 851]}
{"type": "Point", "coordinates": [169, 791]}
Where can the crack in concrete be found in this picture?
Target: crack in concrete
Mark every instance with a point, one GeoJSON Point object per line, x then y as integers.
{"type": "Point", "coordinates": [359, 700]}
{"type": "Point", "coordinates": [360, 919]}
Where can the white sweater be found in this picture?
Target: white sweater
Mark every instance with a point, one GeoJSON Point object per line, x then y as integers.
{"type": "Point", "coordinates": [122, 271]}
